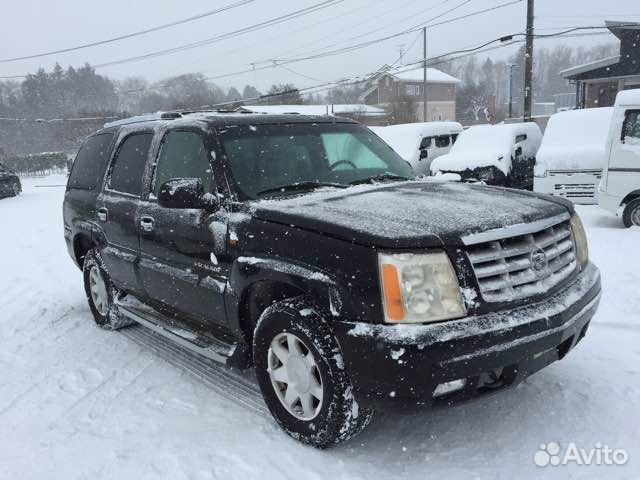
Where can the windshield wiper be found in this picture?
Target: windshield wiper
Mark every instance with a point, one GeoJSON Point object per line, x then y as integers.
{"type": "Point", "coordinates": [379, 178]}
{"type": "Point", "coordinates": [300, 186]}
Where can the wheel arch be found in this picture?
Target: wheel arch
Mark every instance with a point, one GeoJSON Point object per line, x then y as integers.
{"type": "Point", "coordinates": [82, 243]}
{"type": "Point", "coordinates": [630, 197]}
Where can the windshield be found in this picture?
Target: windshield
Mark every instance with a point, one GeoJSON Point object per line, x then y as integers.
{"type": "Point", "coordinates": [264, 158]}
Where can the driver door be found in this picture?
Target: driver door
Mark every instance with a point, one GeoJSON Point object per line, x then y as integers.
{"type": "Point", "coordinates": [184, 264]}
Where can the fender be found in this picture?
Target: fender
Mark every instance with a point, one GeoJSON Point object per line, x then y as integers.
{"type": "Point", "coordinates": [627, 198]}
{"type": "Point", "coordinates": [247, 271]}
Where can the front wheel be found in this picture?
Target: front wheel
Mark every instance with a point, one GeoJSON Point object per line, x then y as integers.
{"type": "Point", "coordinates": [301, 375]}
{"type": "Point", "coordinates": [631, 214]}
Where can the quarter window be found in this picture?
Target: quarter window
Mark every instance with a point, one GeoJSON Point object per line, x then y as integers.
{"type": "Point", "coordinates": [182, 155]}
{"type": "Point", "coordinates": [128, 166]}
{"type": "Point", "coordinates": [631, 127]}
{"type": "Point", "coordinates": [91, 162]}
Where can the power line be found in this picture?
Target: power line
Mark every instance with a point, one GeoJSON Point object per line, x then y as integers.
{"type": "Point", "coordinates": [225, 36]}
{"type": "Point", "coordinates": [131, 35]}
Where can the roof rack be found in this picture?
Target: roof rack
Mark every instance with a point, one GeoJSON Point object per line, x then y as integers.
{"type": "Point", "coordinates": [145, 118]}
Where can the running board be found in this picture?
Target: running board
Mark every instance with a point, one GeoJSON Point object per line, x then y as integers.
{"type": "Point", "coordinates": [232, 354]}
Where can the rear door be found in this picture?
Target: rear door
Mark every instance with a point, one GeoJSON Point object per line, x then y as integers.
{"type": "Point", "coordinates": [117, 209]}
{"type": "Point", "coordinates": [624, 166]}
{"type": "Point", "coordinates": [184, 264]}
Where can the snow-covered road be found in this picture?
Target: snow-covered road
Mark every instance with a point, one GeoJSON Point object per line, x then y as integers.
{"type": "Point", "coordinates": [79, 402]}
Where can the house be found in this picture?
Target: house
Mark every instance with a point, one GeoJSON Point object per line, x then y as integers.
{"type": "Point", "coordinates": [390, 86]}
{"type": "Point", "coordinates": [597, 83]}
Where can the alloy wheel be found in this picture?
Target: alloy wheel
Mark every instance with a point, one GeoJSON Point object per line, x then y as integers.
{"type": "Point", "coordinates": [295, 376]}
{"type": "Point", "coordinates": [98, 289]}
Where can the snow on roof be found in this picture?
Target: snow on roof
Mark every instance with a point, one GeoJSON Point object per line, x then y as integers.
{"type": "Point", "coordinates": [405, 138]}
{"type": "Point", "coordinates": [335, 109]}
{"type": "Point", "coordinates": [605, 62]}
{"type": "Point", "coordinates": [575, 140]}
{"type": "Point", "coordinates": [628, 97]}
{"type": "Point", "coordinates": [433, 76]}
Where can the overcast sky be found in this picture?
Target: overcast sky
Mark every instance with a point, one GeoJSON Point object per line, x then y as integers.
{"type": "Point", "coordinates": [34, 26]}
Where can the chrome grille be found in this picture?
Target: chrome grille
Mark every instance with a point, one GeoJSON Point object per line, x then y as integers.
{"type": "Point", "coordinates": [524, 265]}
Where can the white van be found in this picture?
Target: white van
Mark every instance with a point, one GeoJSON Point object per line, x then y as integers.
{"type": "Point", "coordinates": [619, 190]}
{"type": "Point", "coordinates": [573, 153]}
{"type": "Point", "coordinates": [495, 154]}
{"type": "Point", "coordinates": [420, 143]}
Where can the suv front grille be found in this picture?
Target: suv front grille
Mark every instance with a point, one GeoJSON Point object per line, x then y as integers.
{"type": "Point", "coordinates": [524, 265]}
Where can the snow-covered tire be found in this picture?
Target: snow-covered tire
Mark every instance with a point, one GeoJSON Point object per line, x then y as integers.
{"type": "Point", "coordinates": [631, 214]}
{"type": "Point", "coordinates": [337, 416]}
{"type": "Point", "coordinates": [105, 312]}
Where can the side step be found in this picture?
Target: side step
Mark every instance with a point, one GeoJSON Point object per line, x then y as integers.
{"type": "Point", "coordinates": [232, 354]}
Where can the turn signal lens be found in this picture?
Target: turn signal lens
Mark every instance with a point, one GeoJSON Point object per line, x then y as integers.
{"type": "Point", "coordinates": [392, 296]}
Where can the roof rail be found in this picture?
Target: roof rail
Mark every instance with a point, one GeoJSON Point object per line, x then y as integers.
{"type": "Point", "coordinates": [145, 118]}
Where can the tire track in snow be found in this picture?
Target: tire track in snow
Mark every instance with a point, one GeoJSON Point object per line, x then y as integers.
{"type": "Point", "coordinates": [225, 381]}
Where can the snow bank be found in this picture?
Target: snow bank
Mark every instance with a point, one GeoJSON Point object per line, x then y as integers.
{"type": "Point", "coordinates": [575, 140]}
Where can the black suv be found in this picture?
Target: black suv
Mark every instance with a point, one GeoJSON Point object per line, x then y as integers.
{"type": "Point", "coordinates": [9, 183]}
{"type": "Point", "coordinates": [304, 247]}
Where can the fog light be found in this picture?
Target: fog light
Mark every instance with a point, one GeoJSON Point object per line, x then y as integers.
{"type": "Point", "coordinates": [449, 387]}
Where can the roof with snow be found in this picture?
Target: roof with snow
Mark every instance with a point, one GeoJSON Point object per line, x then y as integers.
{"type": "Point", "coordinates": [335, 109]}
{"type": "Point", "coordinates": [416, 75]}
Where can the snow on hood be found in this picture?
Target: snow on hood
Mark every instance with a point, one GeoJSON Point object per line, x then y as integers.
{"type": "Point", "coordinates": [408, 214]}
{"type": "Point", "coordinates": [575, 140]}
{"type": "Point", "coordinates": [470, 160]}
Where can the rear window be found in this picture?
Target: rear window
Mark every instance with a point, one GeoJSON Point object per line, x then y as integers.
{"type": "Point", "coordinates": [128, 165]}
{"type": "Point", "coordinates": [91, 161]}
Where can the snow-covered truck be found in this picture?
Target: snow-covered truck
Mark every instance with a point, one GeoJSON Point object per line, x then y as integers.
{"type": "Point", "coordinates": [420, 143]}
{"type": "Point", "coordinates": [494, 154]}
{"type": "Point", "coordinates": [573, 152]}
{"type": "Point", "coordinates": [619, 190]}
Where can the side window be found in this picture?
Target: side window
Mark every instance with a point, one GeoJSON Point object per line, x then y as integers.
{"type": "Point", "coordinates": [521, 138]}
{"type": "Point", "coordinates": [182, 155]}
{"type": "Point", "coordinates": [346, 148]}
{"type": "Point", "coordinates": [454, 137]}
{"type": "Point", "coordinates": [128, 166]}
{"type": "Point", "coordinates": [442, 141]}
{"type": "Point", "coordinates": [425, 143]}
{"type": "Point", "coordinates": [631, 127]}
{"type": "Point", "coordinates": [91, 161]}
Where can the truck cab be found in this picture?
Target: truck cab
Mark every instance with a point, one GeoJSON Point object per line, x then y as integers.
{"type": "Point", "coordinates": [619, 190]}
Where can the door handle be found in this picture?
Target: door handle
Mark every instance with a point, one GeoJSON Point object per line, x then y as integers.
{"type": "Point", "coordinates": [146, 223]}
{"type": "Point", "coordinates": [103, 214]}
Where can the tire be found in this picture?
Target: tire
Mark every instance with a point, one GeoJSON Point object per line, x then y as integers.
{"type": "Point", "coordinates": [631, 214]}
{"type": "Point", "coordinates": [334, 418]}
{"type": "Point", "coordinates": [105, 312]}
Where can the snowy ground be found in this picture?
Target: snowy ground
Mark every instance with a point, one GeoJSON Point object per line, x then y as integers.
{"type": "Point", "coordinates": [78, 402]}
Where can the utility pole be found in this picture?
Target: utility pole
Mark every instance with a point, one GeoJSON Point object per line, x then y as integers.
{"type": "Point", "coordinates": [528, 65]}
{"type": "Point", "coordinates": [510, 66]}
{"type": "Point", "coordinates": [424, 74]}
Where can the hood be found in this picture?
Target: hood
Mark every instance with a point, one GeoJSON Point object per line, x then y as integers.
{"type": "Point", "coordinates": [461, 161]}
{"type": "Point", "coordinates": [408, 214]}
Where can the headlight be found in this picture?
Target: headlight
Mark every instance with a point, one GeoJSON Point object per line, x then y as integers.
{"type": "Point", "coordinates": [419, 288]}
{"type": "Point", "coordinates": [580, 237]}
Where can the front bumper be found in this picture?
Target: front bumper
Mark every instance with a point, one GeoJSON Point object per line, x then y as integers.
{"type": "Point", "coordinates": [409, 362]}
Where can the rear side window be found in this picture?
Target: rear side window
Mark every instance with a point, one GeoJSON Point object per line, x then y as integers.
{"type": "Point", "coordinates": [631, 127]}
{"type": "Point", "coordinates": [443, 141]}
{"type": "Point", "coordinates": [91, 162]}
{"type": "Point", "coordinates": [128, 166]}
{"type": "Point", "coordinates": [521, 138]}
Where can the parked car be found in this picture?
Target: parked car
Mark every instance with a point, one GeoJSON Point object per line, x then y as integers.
{"type": "Point", "coordinates": [573, 152]}
{"type": "Point", "coordinates": [10, 185]}
{"type": "Point", "coordinates": [619, 190]}
{"type": "Point", "coordinates": [303, 246]}
{"type": "Point", "coordinates": [494, 154]}
{"type": "Point", "coordinates": [420, 143]}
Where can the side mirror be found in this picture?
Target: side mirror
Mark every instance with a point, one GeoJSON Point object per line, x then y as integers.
{"type": "Point", "coordinates": [424, 153]}
{"type": "Point", "coordinates": [186, 193]}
